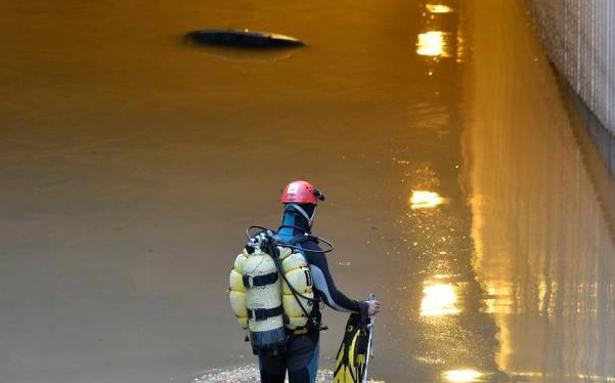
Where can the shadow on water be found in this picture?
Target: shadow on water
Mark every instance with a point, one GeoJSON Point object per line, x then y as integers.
{"type": "Point", "coordinates": [586, 127]}
{"type": "Point", "coordinates": [241, 55]}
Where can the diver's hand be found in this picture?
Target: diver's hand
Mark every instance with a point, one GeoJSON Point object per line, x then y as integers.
{"type": "Point", "coordinates": [373, 307]}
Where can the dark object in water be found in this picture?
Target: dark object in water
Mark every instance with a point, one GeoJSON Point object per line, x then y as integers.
{"type": "Point", "coordinates": [243, 38]}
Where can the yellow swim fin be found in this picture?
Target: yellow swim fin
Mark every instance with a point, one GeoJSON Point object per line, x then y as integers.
{"type": "Point", "coordinates": [353, 354]}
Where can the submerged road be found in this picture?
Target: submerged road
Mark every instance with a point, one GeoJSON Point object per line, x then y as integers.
{"type": "Point", "coordinates": [460, 186]}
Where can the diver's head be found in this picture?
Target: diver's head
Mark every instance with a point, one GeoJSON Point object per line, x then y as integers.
{"type": "Point", "coordinates": [301, 197]}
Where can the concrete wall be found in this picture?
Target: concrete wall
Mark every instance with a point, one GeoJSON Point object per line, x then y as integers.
{"type": "Point", "coordinates": [579, 37]}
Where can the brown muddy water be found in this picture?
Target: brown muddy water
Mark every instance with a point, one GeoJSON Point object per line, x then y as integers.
{"type": "Point", "coordinates": [461, 189]}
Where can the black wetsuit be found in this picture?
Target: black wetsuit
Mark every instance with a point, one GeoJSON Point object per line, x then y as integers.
{"type": "Point", "coordinates": [301, 355]}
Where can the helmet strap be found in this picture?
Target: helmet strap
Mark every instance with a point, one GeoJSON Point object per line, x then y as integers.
{"type": "Point", "coordinates": [304, 213]}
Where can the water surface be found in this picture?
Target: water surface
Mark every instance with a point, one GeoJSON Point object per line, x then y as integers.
{"type": "Point", "coordinates": [456, 189]}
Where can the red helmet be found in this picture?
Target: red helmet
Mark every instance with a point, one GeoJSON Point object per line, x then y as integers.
{"type": "Point", "coordinates": [301, 192]}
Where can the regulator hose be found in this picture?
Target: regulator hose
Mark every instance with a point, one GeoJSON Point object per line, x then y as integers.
{"type": "Point", "coordinates": [306, 236]}
{"type": "Point", "coordinates": [275, 255]}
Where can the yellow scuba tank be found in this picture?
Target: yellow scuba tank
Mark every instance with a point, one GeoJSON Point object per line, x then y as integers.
{"type": "Point", "coordinates": [256, 299]}
{"type": "Point", "coordinates": [265, 301]}
{"type": "Point", "coordinates": [237, 291]}
{"type": "Point", "coordinates": [297, 302]}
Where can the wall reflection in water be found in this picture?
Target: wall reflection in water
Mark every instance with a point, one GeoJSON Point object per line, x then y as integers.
{"type": "Point", "coordinates": [545, 252]}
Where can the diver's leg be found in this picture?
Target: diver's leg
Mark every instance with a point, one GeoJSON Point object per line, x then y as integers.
{"type": "Point", "coordinates": [303, 359]}
{"type": "Point", "coordinates": [312, 367]}
{"type": "Point", "coordinates": [272, 368]}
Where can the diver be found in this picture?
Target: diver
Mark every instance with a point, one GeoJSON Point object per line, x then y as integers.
{"type": "Point", "coordinates": [298, 351]}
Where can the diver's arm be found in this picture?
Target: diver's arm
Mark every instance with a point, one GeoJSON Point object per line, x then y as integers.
{"type": "Point", "coordinates": [323, 282]}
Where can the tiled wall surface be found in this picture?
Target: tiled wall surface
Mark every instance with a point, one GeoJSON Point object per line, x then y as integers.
{"type": "Point", "coordinates": [579, 37]}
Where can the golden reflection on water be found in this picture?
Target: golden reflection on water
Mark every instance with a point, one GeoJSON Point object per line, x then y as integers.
{"type": "Point", "coordinates": [462, 376]}
{"type": "Point", "coordinates": [439, 299]}
{"type": "Point", "coordinates": [499, 297]}
{"type": "Point", "coordinates": [432, 43]}
{"type": "Point", "coordinates": [422, 199]}
{"type": "Point", "coordinates": [438, 8]}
